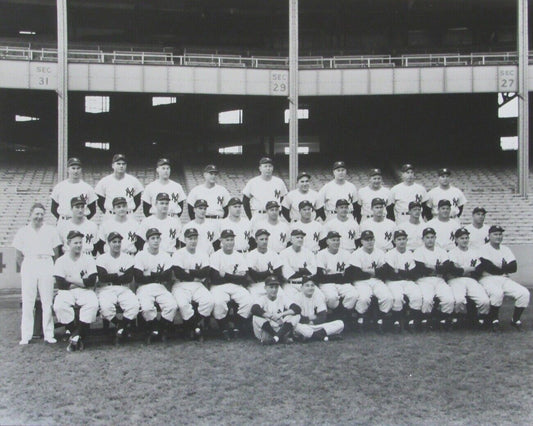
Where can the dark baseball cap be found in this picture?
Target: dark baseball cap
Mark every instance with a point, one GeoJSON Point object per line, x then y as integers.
{"type": "Point", "coordinates": [272, 280]}
{"type": "Point", "coordinates": [77, 201]}
{"type": "Point", "coordinates": [460, 232]}
{"type": "Point", "coordinates": [339, 165]}
{"type": "Point", "coordinates": [374, 172]}
{"type": "Point", "coordinates": [479, 210]}
{"type": "Point", "coordinates": [266, 160]}
{"type": "Point", "coordinates": [444, 203]}
{"type": "Point", "coordinates": [190, 232]}
{"type": "Point", "coordinates": [295, 232]}
{"type": "Point", "coordinates": [407, 167]}
{"type": "Point", "coordinates": [119, 157]}
{"type": "Point", "coordinates": [427, 231]}
{"type": "Point", "coordinates": [74, 234]}
{"type": "Point", "coordinates": [399, 233]}
{"type": "Point", "coordinates": [367, 235]}
{"type": "Point", "coordinates": [333, 234]}
{"type": "Point", "coordinates": [113, 235]}
{"type": "Point", "coordinates": [342, 202]}
{"type": "Point", "coordinates": [303, 174]}
{"type": "Point", "coordinates": [378, 202]}
{"type": "Point", "coordinates": [271, 205]}
{"type": "Point", "coordinates": [162, 196]}
{"type": "Point", "coordinates": [151, 232]}
{"type": "Point", "coordinates": [261, 231]}
{"type": "Point", "coordinates": [73, 161]}
{"type": "Point", "coordinates": [414, 204]}
{"type": "Point", "coordinates": [234, 201]}
{"type": "Point", "coordinates": [163, 162]}
{"type": "Point", "coordinates": [211, 168]}
{"type": "Point", "coordinates": [200, 203]}
{"type": "Point", "coordinates": [496, 228]}
{"type": "Point", "coordinates": [444, 171]}
{"type": "Point", "coordinates": [305, 203]}
{"type": "Point", "coordinates": [119, 200]}
{"type": "Point", "coordinates": [227, 233]}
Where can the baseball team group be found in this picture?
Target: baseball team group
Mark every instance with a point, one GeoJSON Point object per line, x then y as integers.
{"type": "Point", "coordinates": [298, 265]}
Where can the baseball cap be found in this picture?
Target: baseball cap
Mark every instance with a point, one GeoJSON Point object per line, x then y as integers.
{"type": "Point", "coordinates": [460, 232]}
{"type": "Point", "coordinates": [211, 168]}
{"type": "Point", "coordinates": [479, 210]}
{"type": "Point", "coordinates": [119, 200]}
{"type": "Point", "coordinates": [367, 235]}
{"type": "Point", "coordinates": [190, 232]}
{"type": "Point", "coordinates": [261, 231]}
{"type": "Point", "coordinates": [399, 233]}
{"type": "Point", "coordinates": [407, 167]}
{"type": "Point", "coordinates": [200, 203]}
{"type": "Point", "coordinates": [227, 233]}
{"type": "Point", "coordinates": [444, 203]}
{"type": "Point", "coordinates": [151, 232]}
{"type": "Point", "coordinates": [374, 172]}
{"type": "Point", "coordinates": [266, 160]}
{"type": "Point", "coordinates": [377, 202]}
{"type": "Point", "coordinates": [272, 280]}
{"type": "Point", "coordinates": [303, 174]}
{"type": "Point", "coordinates": [427, 231]}
{"type": "Point", "coordinates": [113, 235]}
{"type": "Point", "coordinates": [414, 204]}
{"type": "Point", "coordinates": [233, 201]}
{"type": "Point", "coordinates": [339, 164]}
{"type": "Point", "coordinates": [74, 234]}
{"type": "Point", "coordinates": [73, 161]}
{"type": "Point", "coordinates": [333, 234]}
{"type": "Point", "coordinates": [295, 232]}
{"type": "Point", "coordinates": [163, 162]}
{"type": "Point", "coordinates": [119, 157]}
{"type": "Point", "coordinates": [271, 205]}
{"type": "Point", "coordinates": [305, 203]}
{"type": "Point", "coordinates": [496, 228]}
{"type": "Point", "coordinates": [444, 171]}
{"type": "Point", "coordinates": [162, 196]}
{"type": "Point", "coordinates": [342, 202]}
{"type": "Point", "coordinates": [76, 201]}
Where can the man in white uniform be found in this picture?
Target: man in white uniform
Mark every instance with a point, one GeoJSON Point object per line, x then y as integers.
{"type": "Point", "coordinates": [381, 227]}
{"type": "Point", "coordinates": [444, 226]}
{"type": "Point", "coordinates": [278, 229]}
{"type": "Point", "coordinates": [405, 192]}
{"type": "Point", "coordinates": [344, 224]}
{"type": "Point", "coordinates": [374, 189]}
{"type": "Point", "coordinates": [290, 204]}
{"type": "Point", "coordinates": [312, 228]}
{"type": "Point", "coordinates": [208, 230]}
{"type": "Point", "coordinates": [337, 189]}
{"type": "Point", "coordinates": [446, 191]}
{"type": "Point", "coordinates": [123, 223]}
{"type": "Point", "coordinates": [479, 231]}
{"type": "Point", "coordinates": [215, 195]}
{"type": "Point", "coordinates": [239, 224]}
{"type": "Point", "coordinates": [414, 226]}
{"type": "Point", "coordinates": [78, 222]}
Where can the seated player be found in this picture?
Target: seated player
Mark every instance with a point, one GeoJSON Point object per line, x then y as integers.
{"type": "Point", "coordinates": [191, 269]}
{"type": "Point", "coordinates": [497, 262]}
{"type": "Point", "coordinates": [444, 226]}
{"type": "Point", "coordinates": [381, 227]}
{"type": "Point", "coordinates": [122, 223]}
{"type": "Point", "coordinates": [312, 228]}
{"type": "Point", "coordinates": [75, 275]}
{"type": "Point", "coordinates": [153, 274]}
{"type": "Point", "coordinates": [463, 278]}
{"type": "Point", "coordinates": [313, 325]}
{"type": "Point", "coordinates": [115, 274]}
{"type": "Point", "coordinates": [365, 270]}
{"type": "Point", "coordinates": [279, 229]}
{"type": "Point", "coordinates": [343, 223]}
{"type": "Point", "coordinates": [273, 317]}
{"type": "Point", "coordinates": [79, 222]}
{"type": "Point", "coordinates": [229, 279]}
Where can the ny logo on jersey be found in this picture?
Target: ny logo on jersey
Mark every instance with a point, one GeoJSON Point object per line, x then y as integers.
{"type": "Point", "coordinates": [122, 269]}
{"type": "Point", "coordinates": [270, 267]}
{"type": "Point", "coordinates": [175, 197]}
{"type": "Point", "coordinates": [486, 239]}
{"type": "Point", "coordinates": [132, 237]}
{"type": "Point", "coordinates": [220, 200]}
{"type": "Point", "coordinates": [374, 264]}
{"type": "Point", "coordinates": [437, 264]}
{"type": "Point", "coordinates": [341, 266]}
{"type": "Point", "coordinates": [282, 237]}
{"type": "Point", "coordinates": [351, 234]}
{"type": "Point", "coordinates": [452, 237]}
{"type": "Point", "coordinates": [210, 235]}
{"type": "Point", "coordinates": [277, 194]}
{"type": "Point", "coordinates": [406, 266]}
{"type": "Point", "coordinates": [388, 236]}
{"type": "Point", "coordinates": [160, 268]}
{"type": "Point", "coordinates": [130, 192]}
{"type": "Point", "coordinates": [350, 198]}
{"type": "Point", "coordinates": [235, 268]}
{"type": "Point", "coordinates": [197, 266]}
{"type": "Point", "coordinates": [84, 197]}
{"type": "Point", "coordinates": [473, 262]}
{"type": "Point", "coordinates": [504, 263]}
{"type": "Point", "coordinates": [316, 237]}
{"type": "Point", "coordinates": [455, 201]}
{"type": "Point", "coordinates": [172, 234]}
{"type": "Point", "coordinates": [88, 238]}
{"type": "Point", "coordinates": [247, 235]}
{"type": "Point", "coordinates": [418, 198]}
{"type": "Point", "coordinates": [305, 265]}
{"type": "Point", "coordinates": [83, 272]}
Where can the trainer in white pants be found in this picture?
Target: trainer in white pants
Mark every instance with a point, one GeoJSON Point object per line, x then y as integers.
{"type": "Point", "coordinates": [432, 287]}
{"type": "Point", "coordinates": [258, 322]}
{"type": "Point", "coordinates": [223, 293]}
{"type": "Point", "coordinates": [407, 288]}
{"type": "Point", "coordinates": [149, 295]}
{"type": "Point", "coordinates": [187, 292]}
{"type": "Point", "coordinates": [335, 292]}
{"type": "Point", "coordinates": [331, 328]}
{"type": "Point", "coordinates": [373, 287]}
{"type": "Point", "coordinates": [499, 286]}
{"type": "Point", "coordinates": [111, 295]}
{"type": "Point", "coordinates": [84, 298]}
{"type": "Point", "coordinates": [464, 287]}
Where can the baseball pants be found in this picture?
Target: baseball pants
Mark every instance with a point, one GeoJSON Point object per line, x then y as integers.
{"type": "Point", "coordinates": [258, 322]}
{"type": "Point", "coordinates": [37, 274]}
{"type": "Point", "coordinates": [111, 295]}
{"type": "Point", "coordinates": [223, 293]}
{"type": "Point", "coordinates": [334, 292]}
{"type": "Point", "coordinates": [331, 328]}
{"type": "Point", "coordinates": [407, 288]}
{"type": "Point", "coordinates": [432, 287]}
{"type": "Point", "coordinates": [464, 287]}
{"type": "Point", "coordinates": [373, 287]}
{"type": "Point", "coordinates": [149, 295]}
{"type": "Point", "coordinates": [499, 286]}
{"type": "Point", "coordinates": [187, 292]}
{"type": "Point", "coordinates": [66, 300]}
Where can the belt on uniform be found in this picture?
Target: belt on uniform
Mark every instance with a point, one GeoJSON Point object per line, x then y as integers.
{"type": "Point", "coordinates": [242, 251]}
{"type": "Point", "coordinates": [87, 252]}
{"type": "Point", "coordinates": [330, 211]}
{"type": "Point", "coordinates": [295, 281]}
{"type": "Point", "coordinates": [112, 212]}
{"type": "Point", "coordinates": [404, 213]}
{"type": "Point", "coordinates": [63, 217]}
{"type": "Point", "coordinates": [173, 214]}
{"type": "Point", "coordinates": [212, 216]}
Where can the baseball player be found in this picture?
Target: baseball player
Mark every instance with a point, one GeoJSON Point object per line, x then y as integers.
{"type": "Point", "coordinates": [344, 224]}
{"type": "Point", "coordinates": [207, 229]}
{"type": "Point", "coordinates": [75, 275]}
{"type": "Point", "coordinates": [446, 191]}
{"type": "Point", "coordinates": [169, 226]}
{"type": "Point", "coordinates": [229, 279]}
{"type": "Point", "coordinates": [463, 278]}
{"type": "Point", "coordinates": [405, 192]}
{"type": "Point", "coordinates": [240, 225]}
{"type": "Point", "coordinates": [279, 230]}
{"type": "Point", "coordinates": [366, 270]}
{"type": "Point", "coordinates": [115, 274]}
{"type": "Point", "coordinates": [163, 184]}
{"type": "Point", "coordinates": [374, 189]}
{"type": "Point", "coordinates": [381, 227]}
{"type": "Point", "coordinates": [122, 223]}
{"type": "Point", "coordinates": [332, 279]}
{"type": "Point", "coordinates": [72, 187]}
{"type": "Point", "coordinates": [37, 244]}
{"type": "Point", "coordinates": [290, 206]}
{"type": "Point", "coordinates": [497, 262]}
{"type": "Point", "coordinates": [274, 318]}
{"type": "Point", "coordinates": [400, 274]}
{"type": "Point", "coordinates": [261, 189]}
{"type": "Point", "coordinates": [262, 263]}
{"type": "Point", "coordinates": [337, 189]}
{"type": "Point", "coordinates": [479, 231]}
{"type": "Point", "coordinates": [153, 273]}
{"type": "Point", "coordinates": [313, 325]}
{"type": "Point", "coordinates": [118, 184]}
{"type": "Point", "coordinates": [312, 228]}
{"type": "Point", "coordinates": [297, 264]}
{"type": "Point", "coordinates": [78, 222]}
{"type": "Point", "coordinates": [215, 195]}
{"type": "Point", "coordinates": [414, 226]}
{"type": "Point", "coordinates": [444, 226]}
{"type": "Point", "coordinates": [191, 268]}
{"type": "Point", "coordinates": [432, 264]}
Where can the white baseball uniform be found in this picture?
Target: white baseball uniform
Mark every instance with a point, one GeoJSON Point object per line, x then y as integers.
{"type": "Point", "coordinates": [336, 263]}
{"type": "Point", "coordinates": [414, 233]}
{"type": "Point", "coordinates": [402, 194]}
{"type": "Point", "coordinates": [65, 191]}
{"type": "Point", "coordinates": [279, 233]}
{"type": "Point", "coordinates": [293, 199]}
{"type": "Point", "coordinates": [383, 232]}
{"type": "Point", "coordinates": [333, 191]}
{"type": "Point", "coordinates": [262, 262]}
{"type": "Point", "coordinates": [478, 236]}
{"type": "Point", "coordinates": [170, 228]}
{"type": "Point", "coordinates": [172, 188]}
{"type": "Point", "coordinates": [208, 233]}
{"type": "Point", "coordinates": [313, 233]}
{"type": "Point", "coordinates": [261, 191]}
{"type": "Point", "coordinates": [277, 306]}
{"type": "Point", "coordinates": [110, 187]}
{"type": "Point", "coordinates": [445, 232]}
{"type": "Point", "coordinates": [400, 287]}
{"type": "Point", "coordinates": [453, 194]}
{"type": "Point", "coordinates": [311, 306]}
{"type": "Point", "coordinates": [217, 198]}
{"type": "Point", "coordinates": [88, 228]}
{"type": "Point", "coordinates": [127, 229]}
{"type": "Point", "coordinates": [348, 229]}
{"type": "Point", "coordinates": [242, 230]}
{"type": "Point", "coordinates": [36, 273]}
{"type": "Point", "coordinates": [367, 194]}
{"type": "Point", "coordinates": [291, 262]}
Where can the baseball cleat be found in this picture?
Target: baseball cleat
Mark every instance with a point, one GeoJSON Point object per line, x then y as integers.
{"type": "Point", "coordinates": [424, 326]}
{"type": "Point", "coordinates": [379, 326]}
{"type": "Point", "coordinates": [410, 326]}
{"type": "Point", "coordinates": [66, 336]}
{"type": "Point", "coordinates": [152, 336]}
{"type": "Point", "coordinates": [236, 333]}
{"type": "Point", "coordinates": [481, 323]}
{"type": "Point", "coordinates": [325, 339]}
{"type": "Point", "coordinates": [24, 342]}
{"type": "Point", "coordinates": [397, 327]}
{"type": "Point", "coordinates": [50, 340]}
{"type": "Point", "coordinates": [495, 326]}
{"type": "Point", "coordinates": [268, 340]}
{"type": "Point", "coordinates": [517, 325]}
{"type": "Point", "coordinates": [80, 346]}
{"type": "Point", "coordinates": [73, 343]}
{"type": "Point", "coordinates": [226, 335]}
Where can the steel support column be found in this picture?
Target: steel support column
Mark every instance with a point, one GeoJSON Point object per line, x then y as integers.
{"type": "Point", "coordinates": [62, 89]}
{"type": "Point", "coordinates": [293, 92]}
{"type": "Point", "coordinates": [523, 99]}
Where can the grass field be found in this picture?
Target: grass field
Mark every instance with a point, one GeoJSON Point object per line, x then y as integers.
{"type": "Point", "coordinates": [460, 377]}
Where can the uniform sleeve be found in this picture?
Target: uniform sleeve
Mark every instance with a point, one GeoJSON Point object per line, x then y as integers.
{"type": "Point", "coordinates": [214, 262]}
{"type": "Point", "coordinates": [283, 188]}
{"type": "Point", "coordinates": [191, 199]}
{"type": "Point", "coordinates": [91, 266]}
{"type": "Point", "coordinates": [430, 198]}
{"type": "Point", "coordinates": [56, 240]}
{"type": "Point", "coordinates": [18, 241]}
{"type": "Point", "coordinates": [287, 269]}
{"type": "Point", "coordinates": [286, 202]}
{"type": "Point", "coordinates": [418, 255]}
{"type": "Point", "coordinates": [354, 260]}
{"type": "Point", "coordinates": [320, 302]}
{"type": "Point", "coordinates": [321, 197]}
{"type": "Point", "coordinates": [424, 194]}
{"type": "Point", "coordinates": [138, 262]}
{"type": "Point", "coordinates": [55, 194]}
{"type": "Point", "coordinates": [100, 188]}
{"type": "Point", "coordinates": [247, 190]}
{"type": "Point", "coordinates": [462, 198]}
{"type": "Point", "coordinates": [147, 194]}
{"type": "Point", "coordinates": [141, 229]}
{"type": "Point", "coordinates": [226, 196]}
{"type": "Point", "coordinates": [137, 185]}
{"type": "Point", "coordinates": [59, 269]}
{"type": "Point", "coordinates": [181, 194]}
{"type": "Point", "coordinates": [311, 263]}
{"type": "Point", "coordinates": [91, 194]}
{"type": "Point", "coordinates": [320, 260]}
